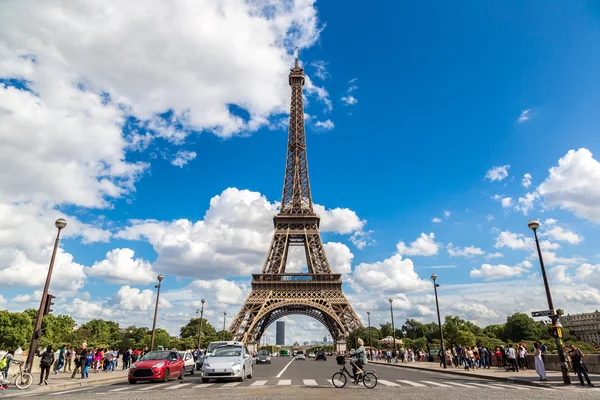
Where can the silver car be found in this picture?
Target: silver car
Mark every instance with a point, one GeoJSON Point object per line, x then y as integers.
{"type": "Point", "coordinates": [228, 361]}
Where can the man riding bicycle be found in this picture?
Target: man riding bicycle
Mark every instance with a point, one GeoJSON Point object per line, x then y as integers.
{"type": "Point", "coordinates": [361, 359]}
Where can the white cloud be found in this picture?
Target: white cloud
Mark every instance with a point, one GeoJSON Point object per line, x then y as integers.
{"type": "Point", "coordinates": [506, 202]}
{"type": "Point", "coordinates": [562, 234]}
{"type": "Point", "coordinates": [394, 274]}
{"type": "Point", "coordinates": [349, 100]}
{"type": "Point", "coordinates": [515, 241]}
{"type": "Point", "coordinates": [526, 203]}
{"type": "Point", "coordinates": [558, 274]}
{"type": "Point", "coordinates": [573, 185]}
{"type": "Point", "coordinates": [120, 267]}
{"type": "Point", "coordinates": [223, 291]}
{"type": "Point", "coordinates": [497, 254]}
{"type": "Point", "coordinates": [183, 157]}
{"type": "Point", "coordinates": [446, 213]}
{"type": "Point", "coordinates": [361, 239]}
{"type": "Point", "coordinates": [231, 240]}
{"type": "Point", "coordinates": [130, 299]}
{"type": "Point", "coordinates": [550, 221]}
{"type": "Point", "coordinates": [525, 116]}
{"type": "Point", "coordinates": [325, 124]}
{"type": "Point", "coordinates": [340, 257]}
{"type": "Point", "coordinates": [590, 274]}
{"type": "Point", "coordinates": [497, 173]}
{"type": "Point", "coordinates": [526, 181]}
{"type": "Point", "coordinates": [436, 220]}
{"type": "Point", "coordinates": [468, 251]}
{"type": "Point", "coordinates": [499, 271]}
{"type": "Point", "coordinates": [3, 302]}
{"type": "Point", "coordinates": [490, 217]}
{"type": "Point", "coordinates": [425, 245]}
{"type": "Point", "coordinates": [320, 69]}
{"type": "Point", "coordinates": [320, 92]}
{"type": "Point", "coordinates": [27, 298]}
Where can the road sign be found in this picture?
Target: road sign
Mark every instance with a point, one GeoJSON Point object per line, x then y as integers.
{"type": "Point", "coordinates": [545, 313]}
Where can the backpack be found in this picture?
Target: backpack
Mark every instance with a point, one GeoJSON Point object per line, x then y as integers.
{"type": "Point", "coordinates": [47, 358]}
{"type": "Point", "coordinates": [3, 363]}
{"type": "Point", "coordinates": [544, 348]}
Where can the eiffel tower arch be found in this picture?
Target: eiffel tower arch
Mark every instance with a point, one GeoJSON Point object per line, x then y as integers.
{"type": "Point", "coordinates": [275, 293]}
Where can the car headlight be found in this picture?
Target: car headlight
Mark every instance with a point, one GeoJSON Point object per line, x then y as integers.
{"type": "Point", "coordinates": [132, 366]}
{"type": "Point", "coordinates": [159, 365]}
{"type": "Point", "coordinates": [236, 364]}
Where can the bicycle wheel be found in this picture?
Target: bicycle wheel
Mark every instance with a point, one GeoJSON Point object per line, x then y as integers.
{"type": "Point", "coordinates": [339, 380]}
{"type": "Point", "coordinates": [370, 380]}
{"type": "Point", "coordinates": [23, 380]}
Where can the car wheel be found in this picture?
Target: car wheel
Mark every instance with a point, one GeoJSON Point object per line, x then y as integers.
{"type": "Point", "coordinates": [192, 371]}
{"type": "Point", "coordinates": [241, 378]}
{"type": "Point", "coordinates": [166, 376]}
{"type": "Point", "coordinates": [250, 375]}
{"type": "Point", "coordinates": [182, 374]}
{"type": "Point", "coordinates": [132, 382]}
{"type": "Point", "coordinates": [205, 380]}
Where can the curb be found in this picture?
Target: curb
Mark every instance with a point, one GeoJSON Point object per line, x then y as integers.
{"type": "Point", "coordinates": [76, 384]}
{"type": "Point", "coordinates": [452, 372]}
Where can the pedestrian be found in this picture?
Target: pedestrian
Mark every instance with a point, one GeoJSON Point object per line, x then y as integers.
{"type": "Point", "coordinates": [69, 358]}
{"type": "Point", "coordinates": [47, 359]}
{"type": "Point", "coordinates": [511, 357]}
{"type": "Point", "coordinates": [579, 366]}
{"type": "Point", "coordinates": [540, 369]}
{"type": "Point", "coordinates": [61, 359]}
{"type": "Point", "coordinates": [7, 359]}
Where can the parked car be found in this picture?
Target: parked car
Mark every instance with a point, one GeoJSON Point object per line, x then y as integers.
{"type": "Point", "coordinates": [199, 362]}
{"type": "Point", "coordinates": [321, 356]}
{"type": "Point", "coordinates": [214, 345]}
{"type": "Point", "coordinates": [158, 365]}
{"type": "Point", "coordinates": [263, 357]}
{"type": "Point", "coordinates": [300, 356]}
{"type": "Point", "coordinates": [188, 361]}
{"type": "Point", "coordinates": [228, 361]}
{"type": "Point", "coordinates": [311, 355]}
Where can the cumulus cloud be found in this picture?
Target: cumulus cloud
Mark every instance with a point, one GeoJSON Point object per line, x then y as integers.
{"type": "Point", "coordinates": [120, 267]}
{"type": "Point", "coordinates": [563, 235]}
{"type": "Point", "coordinates": [340, 257]}
{"type": "Point", "coordinates": [506, 202]}
{"type": "Point", "coordinates": [515, 241]}
{"type": "Point", "coordinates": [349, 99]}
{"type": "Point", "coordinates": [394, 274]}
{"type": "Point", "coordinates": [425, 245]}
{"type": "Point", "coordinates": [183, 157]}
{"type": "Point", "coordinates": [526, 203]}
{"type": "Point", "coordinates": [526, 181]}
{"type": "Point", "coordinates": [327, 125]}
{"type": "Point", "coordinates": [490, 272]}
{"type": "Point", "coordinates": [573, 185]}
{"type": "Point", "coordinates": [469, 251]}
{"type": "Point", "coordinates": [497, 173]}
{"type": "Point", "coordinates": [525, 116]}
{"type": "Point", "coordinates": [129, 298]}
{"type": "Point", "coordinates": [320, 69]}
{"type": "Point", "coordinates": [436, 220]}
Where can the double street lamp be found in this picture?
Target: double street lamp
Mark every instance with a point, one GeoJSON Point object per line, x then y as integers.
{"type": "Point", "coordinates": [437, 306]}
{"type": "Point", "coordinates": [393, 329]}
{"type": "Point", "coordinates": [200, 329]}
{"type": "Point", "coordinates": [534, 225]}
{"type": "Point", "coordinates": [60, 224]}
{"type": "Point", "coordinates": [160, 278]}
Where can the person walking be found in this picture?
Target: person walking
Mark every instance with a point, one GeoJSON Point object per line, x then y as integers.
{"type": "Point", "coordinates": [579, 366]}
{"type": "Point", "coordinates": [511, 357]}
{"type": "Point", "coordinates": [61, 359]}
{"type": "Point", "coordinates": [69, 357]}
{"type": "Point", "coordinates": [540, 369]}
{"type": "Point", "coordinates": [45, 364]}
{"type": "Point", "coordinates": [8, 357]}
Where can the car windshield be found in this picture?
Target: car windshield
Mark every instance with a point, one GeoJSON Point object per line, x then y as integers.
{"type": "Point", "coordinates": [156, 355]}
{"type": "Point", "coordinates": [263, 353]}
{"type": "Point", "coordinates": [227, 351]}
{"type": "Point", "coordinates": [214, 345]}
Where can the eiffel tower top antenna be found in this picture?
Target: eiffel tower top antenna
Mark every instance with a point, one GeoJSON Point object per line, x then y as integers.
{"type": "Point", "coordinates": [296, 57]}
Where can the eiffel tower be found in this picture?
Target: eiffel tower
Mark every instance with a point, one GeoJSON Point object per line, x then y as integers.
{"type": "Point", "coordinates": [275, 293]}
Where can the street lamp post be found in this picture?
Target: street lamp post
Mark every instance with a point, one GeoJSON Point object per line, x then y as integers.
{"type": "Point", "coordinates": [437, 306]}
{"type": "Point", "coordinates": [393, 329]}
{"type": "Point", "coordinates": [224, 318]}
{"type": "Point", "coordinates": [160, 278]}
{"type": "Point", "coordinates": [60, 224]}
{"type": "Point", "coordinates": [534, 225]}
{"type": "Point", "coordinates": [370, 343]}
{"type": "Point", "coordinates": [200, 329]}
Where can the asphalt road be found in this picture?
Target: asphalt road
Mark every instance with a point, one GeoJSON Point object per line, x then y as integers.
{"type": "Point", "coordinates": [310, 379]}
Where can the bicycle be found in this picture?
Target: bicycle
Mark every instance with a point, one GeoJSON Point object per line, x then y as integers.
{"type": "Point", "coordinates": [22, 378]}
{"type": "Point", "coordinates": [368, 377]}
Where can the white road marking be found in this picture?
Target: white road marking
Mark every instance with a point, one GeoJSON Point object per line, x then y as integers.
{"type": "Point", "coordinates": [310, 382]}
{"type": "Point", "coordinates": [203, 385]}
{"type": "Point", "coordinates": [459, 384]}
{"type": "Point", "coordinates": [175, 387]}
{"type": "Point", "coordinates": [231, 384]}
{"type": "Point", "coordinates": [121, 389]}
{"type": "Point", "coordinates": [284, 382]}
{"type": "Point", "coordinates": [387, 383]}
{"type": "Point", "coordinates": [509, 386]}
{"type": "Point", "coordinates": [68, 391]}
{"type": "Point", "coordinates": [411, 383]}
{"type": "Point", "coordinates": [151, 386]}
{"type": "Point", "coordinates": [284, 368]}
{"type": "Point", "coordinates": [486, 386]}
{"type": "Point", "coordinates": [436, 384]}
{"type": "Point", "coordinates": [258, 383]}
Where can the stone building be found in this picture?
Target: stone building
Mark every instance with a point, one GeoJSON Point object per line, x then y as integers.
{"type": "Point", "coordinates": [586, 326]}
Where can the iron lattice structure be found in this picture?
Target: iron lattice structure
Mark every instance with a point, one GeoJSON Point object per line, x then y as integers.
{"type": "Point", "coordinates": [275, 293]}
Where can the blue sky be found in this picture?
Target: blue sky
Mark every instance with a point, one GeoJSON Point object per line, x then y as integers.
{"type": "Point", "coordinates": [414, 113]}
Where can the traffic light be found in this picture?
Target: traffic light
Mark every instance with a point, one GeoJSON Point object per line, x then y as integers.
{"type": "Point", "coordinates": [49, 303]}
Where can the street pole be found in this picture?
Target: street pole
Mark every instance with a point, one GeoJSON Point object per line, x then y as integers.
{"type": "Point", "coordinates": [370, 343]}
{"type": "Point", "coordinates": [60, 224]}
{"type": "Point", "coordinates": [200, 329]}
{"type": "Point", "coordinates": [224, 318]}
{"type": "Point", "coordinates": [534, 225]}
{"type": "Point", "coordinates": [160, 278]}
{"type": "Point", "coordinates": [393, 329]}
{"type": "Point", "coordinates": [437, 306]}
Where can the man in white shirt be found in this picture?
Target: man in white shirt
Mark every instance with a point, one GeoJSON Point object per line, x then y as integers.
{"type": "Point", "coordinates": [511, 356]}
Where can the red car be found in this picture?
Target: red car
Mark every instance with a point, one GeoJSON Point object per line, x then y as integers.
{"type": "Point", "coordinates": [158, 365]}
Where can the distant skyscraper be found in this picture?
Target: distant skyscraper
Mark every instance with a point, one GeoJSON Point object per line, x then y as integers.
{"type": "Point", "coordinates": [280, 333]}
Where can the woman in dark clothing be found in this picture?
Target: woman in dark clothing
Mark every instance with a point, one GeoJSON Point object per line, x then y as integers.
{"type": "Point", "coordinates": [579, 366]}
{"type": "Point", "coordinates": [45, 364]}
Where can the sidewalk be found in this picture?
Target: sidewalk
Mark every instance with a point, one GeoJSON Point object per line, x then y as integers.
{"type": "Point", "coordinates": [528, 377]}
{"type": "Point", "coordinates": [63, 381]}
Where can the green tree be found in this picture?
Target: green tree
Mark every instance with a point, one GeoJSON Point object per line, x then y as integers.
{"type": "Point", "coordinates": [385, 330]}
{"type": "Point", "coordinates": [16, 330]}
{"type": "Point", "coordinates": [494, 331]}
{"type": "Point", "coordinates": [190, 330]}
{"type": "Point", "coordinates": [520, 326]}
{"type": "Point", "coordinates": [465, 337]}
{"type": "Point", "coordinates": [413, 329]}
